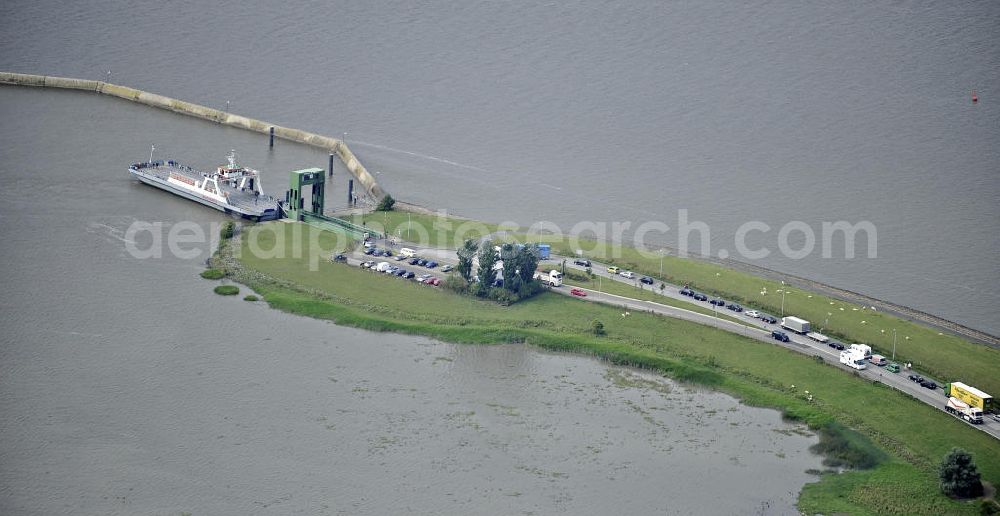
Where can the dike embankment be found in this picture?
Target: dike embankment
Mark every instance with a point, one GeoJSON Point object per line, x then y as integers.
{"type": "Point", "coordinates": [336, 146]}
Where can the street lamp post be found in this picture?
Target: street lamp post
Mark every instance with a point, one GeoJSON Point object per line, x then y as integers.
{"type": "Point", "coordinates": [662, 252]}
{"type": "Point", "coordinates": [894, 344]}
{"type": "Point", "coordinates": [782, 298]}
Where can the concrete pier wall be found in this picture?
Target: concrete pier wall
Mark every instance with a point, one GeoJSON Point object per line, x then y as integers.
{"type": "Point", "coordinates": [367, 181]}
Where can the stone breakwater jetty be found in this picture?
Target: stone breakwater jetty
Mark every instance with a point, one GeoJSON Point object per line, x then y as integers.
{"type": "Point", "coordinates": [335, 146]}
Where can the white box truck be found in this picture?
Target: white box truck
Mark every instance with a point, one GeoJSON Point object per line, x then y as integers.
{"type": "Point", "coordinates": [795, 324]}
{"type": "Point", "coordinates": [853, 359]}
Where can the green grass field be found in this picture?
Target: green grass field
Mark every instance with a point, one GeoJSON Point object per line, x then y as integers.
{"type": "Point", "coordinates": [914, 435]}
{"type": "Point", "coordinates": [943, 356]}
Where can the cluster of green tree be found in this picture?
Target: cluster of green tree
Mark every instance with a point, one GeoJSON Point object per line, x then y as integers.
{"type": "Point", "coordinates": [386, 203]}
{"type": "Point", "coordinates": [519, 264]}
{"type": "Point", "coordinates": [960, 479]}
{"type": "Point", "coordinates": [959, 475]}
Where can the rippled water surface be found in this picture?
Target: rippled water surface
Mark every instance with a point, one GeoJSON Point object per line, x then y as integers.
{"type": "Point", "coordinates": [620, 111]}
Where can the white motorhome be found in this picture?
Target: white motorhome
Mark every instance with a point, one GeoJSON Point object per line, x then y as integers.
{"type": "Point", "coordinates": [864, 349]}
{"type": "Point", "coordinates": [382, 266]}
{"type": "Point", "coordinates": [853, 359]}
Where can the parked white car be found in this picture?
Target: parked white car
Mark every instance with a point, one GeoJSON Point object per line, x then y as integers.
{"type": "Point", "coordinates": [752, 313]}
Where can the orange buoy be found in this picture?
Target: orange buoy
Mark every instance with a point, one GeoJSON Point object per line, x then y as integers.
{"type": "Point", "coordinates": [974, 97]}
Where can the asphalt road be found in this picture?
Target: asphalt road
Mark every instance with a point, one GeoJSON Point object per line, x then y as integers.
{"type": "Point", "coordinates": [749, 327]}
{"type": "Point", "coordinates": [758, 329]}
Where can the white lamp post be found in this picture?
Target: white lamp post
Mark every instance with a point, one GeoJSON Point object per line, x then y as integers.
{"type": "Point", "coordinates": [783, 298]}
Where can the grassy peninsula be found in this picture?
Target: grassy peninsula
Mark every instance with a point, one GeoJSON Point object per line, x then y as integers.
{"type": "Point", "coordinates": [910, 436]}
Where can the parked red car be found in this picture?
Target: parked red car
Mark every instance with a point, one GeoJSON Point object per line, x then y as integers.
{"type": "Point", "coordinates": [578, 292]}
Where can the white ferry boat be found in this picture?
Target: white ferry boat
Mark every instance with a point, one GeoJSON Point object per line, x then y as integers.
{"type": "Point", "coordinates": [231, 188]}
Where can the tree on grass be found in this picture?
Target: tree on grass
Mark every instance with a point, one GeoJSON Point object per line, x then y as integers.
{"type": "Point", "coordinates": [386, 203]}
{"type": "Point", "coordinates": [487, 259]}
{"type": "Point", "coordinates": [465, 255]}
{"type": "Point", "coordinates": [527, 262]}
{"type": "Point", "coordinates": [597, 327]}
{"type": "Point", "coordinates": [959, 475]}
{"type": "Point", "coordinates": [508, 254]}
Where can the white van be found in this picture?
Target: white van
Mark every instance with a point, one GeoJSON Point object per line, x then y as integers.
{"type": "Point", "coordinates": [407, 252]}
{"type": "Point", "coordinates": [382, 266]}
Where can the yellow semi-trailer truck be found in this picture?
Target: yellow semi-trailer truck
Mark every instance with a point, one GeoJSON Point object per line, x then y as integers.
{"type": "Point", "coordinates": [971, 395]}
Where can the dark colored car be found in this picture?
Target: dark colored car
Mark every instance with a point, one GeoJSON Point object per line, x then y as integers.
{"type": "Point", "coordinates": [779, 335]}
{"type": "Point", "coordinates": [585, 263]}
{"type": "Point", "coordinates": [340, 258]}
{"type": "Point", "coordinates": [414, 261]}
{"type": "Point", "coordinates": [928, 384]}
{"type": "Point", "coordinates": [769, 319]}
{"type": "Point", "coordinates": [718, 302]}
{"type": "Point", "coordinates": [687, 292]}
{"type": "Point", "coordinates": [421, 262]}
{"type": "Point", "coordinates": [916, 378]}
{"type": "Point", "coordinates": [646, 279]}
{"type": "Point", "coordinates": [369, 250]}
{"type": "Point", "coordinates": [377, 252]}
{"type": "Point", "coordinates": [386, 252]}
{"type": "Point", "coordinates": [400, 273]}
{"type": "Point", "coordinates": [836, 345]}
{"type": "Point", "coordinates": [408, 275]}
{"type": "Point", "coordinates": [431, 264]}
{"type": "Point", "coordinates": [734, 307]}
{"type": "Point", "coordinates": [699, 296]}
